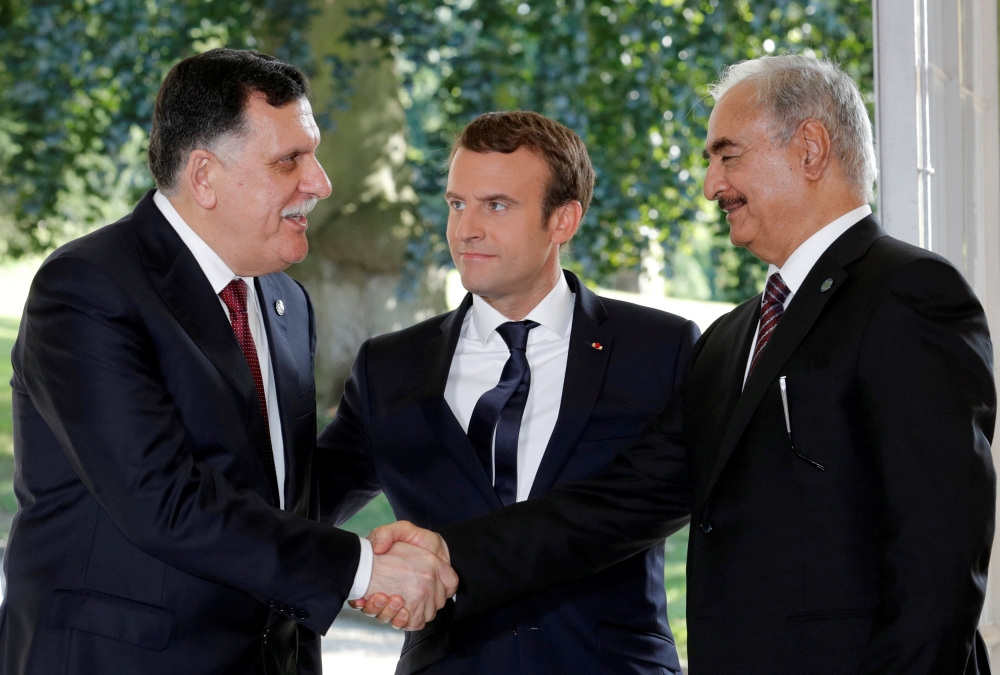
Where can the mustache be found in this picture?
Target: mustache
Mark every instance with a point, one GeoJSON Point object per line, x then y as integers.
{"type": "Point", "coordinates": [299, 209]}
{"type": "Point", "coordinates": [728, 204]}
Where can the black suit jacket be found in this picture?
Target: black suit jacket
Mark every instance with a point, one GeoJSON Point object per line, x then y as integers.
{"type": "Point", "coordinates": [875, 565]}
{"type": "Point", "coordinates": [395, 432]}
{"type": "Point", "coordinates": [148, 538]}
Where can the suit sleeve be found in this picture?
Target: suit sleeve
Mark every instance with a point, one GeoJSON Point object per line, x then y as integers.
{"type": "Point", "coordinates": [581, 528]}
{"type": "Point", "coordinates": [929, 403]}
{"type": "Point", "coordinates": [91, 369]}
{"type": "Point", "coordinates": [345, 467]}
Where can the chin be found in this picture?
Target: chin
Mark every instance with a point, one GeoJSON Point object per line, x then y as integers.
{"type": "Point", "coordinates": [739, 236]}
{"type": "Point", "coordinates": [296, 249]}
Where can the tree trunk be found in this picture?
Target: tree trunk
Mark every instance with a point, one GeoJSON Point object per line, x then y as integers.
{"type": "Point", "coordinates": [354, 271]}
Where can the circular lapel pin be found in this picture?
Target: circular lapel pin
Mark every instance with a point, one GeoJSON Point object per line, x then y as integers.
{"type": "Point", "coordinates": [279, 307]}
{"type": "Point", "coordinates": [827, 285]}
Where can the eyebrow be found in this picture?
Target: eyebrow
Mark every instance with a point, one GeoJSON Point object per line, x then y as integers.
{"type": "Point", "coordinates": [497, 197]}
{"type": "Point", "coordinates": [717, 146]}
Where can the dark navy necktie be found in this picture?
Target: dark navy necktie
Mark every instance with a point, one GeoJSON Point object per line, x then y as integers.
{"type": "Point", "coordinates": [501, 409]}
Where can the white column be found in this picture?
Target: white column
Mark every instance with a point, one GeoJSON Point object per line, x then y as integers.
{"type": "Point", "coordinates": [938, 137]}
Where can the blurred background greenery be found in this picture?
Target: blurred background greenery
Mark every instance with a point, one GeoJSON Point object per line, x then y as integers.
{"type": "Point", "coordinates": [393, 82]}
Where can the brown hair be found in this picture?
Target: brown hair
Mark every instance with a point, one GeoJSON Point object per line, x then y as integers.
{"type": "Point", "coordinates": [572, 174]}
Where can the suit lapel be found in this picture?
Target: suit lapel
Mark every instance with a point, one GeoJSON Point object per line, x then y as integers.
{"type": "Point", "coordinates": [585, 366]}
{"type": "Point", "coordinates": [798, 319]}
{"type": "Point", "coordinates": [180, 282]}
{"type": "Point", "coordinates": [438, 353]}
{"type": "Point", "coordinates": [283, 367]}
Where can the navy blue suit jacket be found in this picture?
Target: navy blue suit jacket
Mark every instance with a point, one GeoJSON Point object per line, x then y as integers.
{"type": "Point", "coordinates": [394, 432]}
{"type": "Point", "coordinates": [148, 538]}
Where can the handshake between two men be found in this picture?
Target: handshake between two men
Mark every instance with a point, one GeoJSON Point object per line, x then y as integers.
{"type": "Point", "coordinates": [411, 577]}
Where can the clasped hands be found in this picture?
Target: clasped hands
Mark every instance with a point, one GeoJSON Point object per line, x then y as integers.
{"type": "Point", "coordinates": [412, 576]}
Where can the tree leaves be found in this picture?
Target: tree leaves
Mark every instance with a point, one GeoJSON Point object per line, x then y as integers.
{"type": "Point", "coordinates": [77, 88]}
{"type": "Point", "coordinates": [630, 77]}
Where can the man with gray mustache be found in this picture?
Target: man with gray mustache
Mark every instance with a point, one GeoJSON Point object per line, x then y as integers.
{"type": "Point", "coordinates": [165, 413]}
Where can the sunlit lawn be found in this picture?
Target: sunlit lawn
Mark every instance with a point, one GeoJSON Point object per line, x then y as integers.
{"type": "Point", "coordinates": [8, 505]}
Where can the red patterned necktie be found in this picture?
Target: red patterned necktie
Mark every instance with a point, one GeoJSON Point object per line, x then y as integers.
{"type": "Point", "coordinates": [235, 297]}
{"type": "Point", "coordinates": [775, 294]}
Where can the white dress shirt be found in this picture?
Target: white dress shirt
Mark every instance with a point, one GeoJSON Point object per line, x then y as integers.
{"type": "Point", "coordinates": [803, 259]}
{"type": "Point", "coordinates": [219, 275]}
{"type": "Point", "coordinates": [481, 354]}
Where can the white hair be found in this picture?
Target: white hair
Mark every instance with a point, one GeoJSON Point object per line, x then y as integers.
{"type": "Point", "coordinates": [794, 88]}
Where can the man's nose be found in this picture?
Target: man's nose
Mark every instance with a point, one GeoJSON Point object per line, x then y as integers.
{"type": "Point", "coordinates": [715, 182]}
{"type": "Point", "coordinates": [468, 226]}
{"type": "Point", "coordinates": [315, 181]}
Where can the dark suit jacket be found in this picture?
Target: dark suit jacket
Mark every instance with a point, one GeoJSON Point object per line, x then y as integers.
{"type": "Point", "coordinates": [395, 432]}
{"type": "Point", "coordinates": [875, 565]}
{"type": "Point", "coordinates": [148, 538]}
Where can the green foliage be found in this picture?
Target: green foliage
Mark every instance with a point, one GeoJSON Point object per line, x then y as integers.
{"type": "Point", "coordinates": [629, 76]}
{"type": "Point", "coordinates": [77, 85]}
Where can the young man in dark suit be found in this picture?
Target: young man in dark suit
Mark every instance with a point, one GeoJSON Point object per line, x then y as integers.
{"type": "Point", "coordinates": [165, 414]}
{"type": "Point", "coordinates": [532, 382]}
{"type": "Point", "coordinates": [835, 431]}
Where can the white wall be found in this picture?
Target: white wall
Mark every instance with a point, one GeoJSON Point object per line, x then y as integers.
{"type": "Point", "coordinates": [938, 139]}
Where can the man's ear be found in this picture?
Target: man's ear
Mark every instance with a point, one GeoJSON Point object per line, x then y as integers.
{"type": "Point", "coordinates": [565, 221]}
{"type": "Point", "coordinates": [201, 167]}
{"type": "Point", "coordinates": [815, 144]}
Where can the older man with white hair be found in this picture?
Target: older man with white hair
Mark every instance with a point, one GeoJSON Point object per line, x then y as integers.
{"type": "Point", "coordinates": [833, 442]}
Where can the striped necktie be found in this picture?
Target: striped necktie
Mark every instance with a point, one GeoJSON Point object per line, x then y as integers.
{"type": "Point", "coordinates": [775, 294]}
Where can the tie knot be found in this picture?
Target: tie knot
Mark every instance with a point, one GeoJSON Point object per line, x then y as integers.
{"type": "Point", "coordinates": [235, 296]}
{"type": "Point", "coordinates": [515, 333]}
{"type": "Point", "coordinates": [776, 291]}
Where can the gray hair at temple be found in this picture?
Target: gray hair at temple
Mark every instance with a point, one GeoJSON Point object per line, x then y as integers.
{"type": "Point", "coordinates": [794, 88]}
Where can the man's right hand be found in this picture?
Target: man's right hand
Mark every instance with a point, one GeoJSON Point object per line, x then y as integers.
{"type": "Point", "coordinates": [409, 585]}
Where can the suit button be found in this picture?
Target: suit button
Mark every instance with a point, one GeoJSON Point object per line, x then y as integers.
{"type": "Point", "coordinates": [706, 527]}
{"type": "Point", "coordinates": [303, 614]}
{"type": "Point", "coordinates": [272, 604]}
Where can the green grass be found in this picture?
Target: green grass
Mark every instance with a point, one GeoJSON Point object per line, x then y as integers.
{"type": "Point", "coordinates": [8, 505]}
{"type": "Point", "coordinates": [378, 512]}
{"type": "Point", "coordinates": [675, 578]}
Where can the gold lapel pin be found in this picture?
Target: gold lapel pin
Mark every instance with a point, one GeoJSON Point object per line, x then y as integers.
{"type": "Point", "coordinates": [596, 345]}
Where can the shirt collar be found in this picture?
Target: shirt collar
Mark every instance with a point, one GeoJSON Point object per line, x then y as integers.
{"type": "Point", "coordinates": [554, 312]}
{"type": "Point", "coordinates": [218, 272]}
{"type": "Point", "coordinates": [800, 263]}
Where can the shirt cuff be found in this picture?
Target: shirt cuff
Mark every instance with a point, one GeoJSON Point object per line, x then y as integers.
{"type": "Point", "coordinates": [364, 574]}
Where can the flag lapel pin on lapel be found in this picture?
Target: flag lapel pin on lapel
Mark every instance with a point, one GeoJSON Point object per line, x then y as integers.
{"type": "Point", "coordinates": [597, 346]}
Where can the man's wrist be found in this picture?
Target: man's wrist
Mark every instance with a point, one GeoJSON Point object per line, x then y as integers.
{"type": "Point", "coordinates": [363, 576]}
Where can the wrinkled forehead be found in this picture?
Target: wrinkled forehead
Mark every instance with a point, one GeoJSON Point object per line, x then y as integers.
{"type": "Point", "coordinates": [304, 115]}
